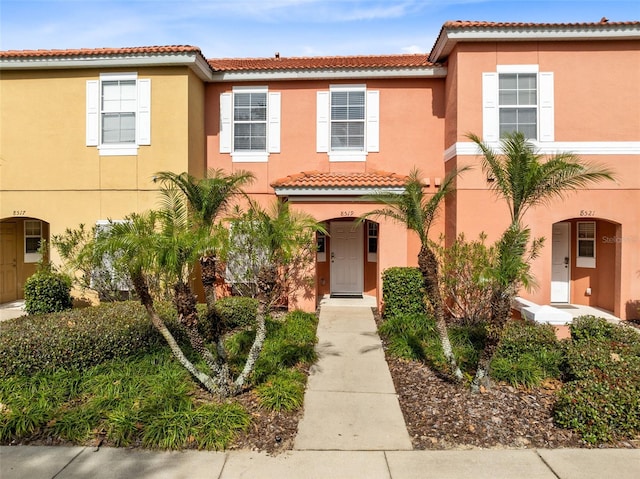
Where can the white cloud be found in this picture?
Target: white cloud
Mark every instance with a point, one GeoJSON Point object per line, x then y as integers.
{"type": "Point", "coordinates": [413, 49]}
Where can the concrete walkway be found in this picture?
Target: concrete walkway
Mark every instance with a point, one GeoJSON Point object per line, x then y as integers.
{"type": "Point", "coordinates": [350, 403]}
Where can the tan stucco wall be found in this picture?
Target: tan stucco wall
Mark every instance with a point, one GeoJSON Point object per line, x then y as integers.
{"type": "Point", "coordinates": [47, 172]}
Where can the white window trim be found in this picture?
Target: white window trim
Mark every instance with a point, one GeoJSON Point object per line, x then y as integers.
{"type": "Point", "coordinates": [584, 261]}
{"type": "Point", "coordinates": [545, 104]}
{"type": "Point", "coordinates": [371, 124]}
{"type": "Point", "coordinates": [94, 115]}
{"type": "Point", "coordinates": [227, 124]}
{"type": "Point", "coordinates": [31, 257]}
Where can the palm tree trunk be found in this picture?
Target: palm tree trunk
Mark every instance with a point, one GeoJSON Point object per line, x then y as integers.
{"type": "Point", "coordinates": [428, 264]}
{"type": "Point", "coordinates": [208, 267]}
{"type": "Point", "coordinates": [140, 285]}
{"type": "Point", "coordinates": [267, 280]}
{"type": "Point", "coordinates": [185, 303]}
{"type": "Point", "coordinates": [500, 314]}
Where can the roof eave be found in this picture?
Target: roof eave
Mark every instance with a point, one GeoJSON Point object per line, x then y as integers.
{"type": "Point", "coordinates": [449, 37]}
{"type": "Point", "coordinates": [334, 191]}
{"type": "Point", "coordinates": [329, 74]}
{"type": "Point", "coordinates": [193, 60]}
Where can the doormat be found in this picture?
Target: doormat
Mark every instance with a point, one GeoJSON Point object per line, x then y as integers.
{"type": "Point", "coordinates": [346, 295]}
{"type": "Point", "coordinates": [564, 306]}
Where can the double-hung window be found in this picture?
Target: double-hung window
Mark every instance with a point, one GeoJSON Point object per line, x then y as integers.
{"type": "Point", "coordinates": [586, 249]}
{"type": "Point", "coordinates": [518, 98]}
{"type": "Point", "coordinates": [118, 113]}
{"type": "Point", "coordinates": [250, 123]}
{"type": "Point", "coordinates": [32, 240]}
{"type": "Point", "coordinates": [347, 122]}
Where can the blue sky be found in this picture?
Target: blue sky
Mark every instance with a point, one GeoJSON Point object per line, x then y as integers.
{"type": "Point", "coordinates": [259, 28]}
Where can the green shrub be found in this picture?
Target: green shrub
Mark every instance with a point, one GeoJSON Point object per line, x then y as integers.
{"type": "Point", "coordinates": [601, 400]}
{"type": "Point", "coordinates": [283, 391]}
{"type": "Point", "coordinates": [528, 354]}
{"type": "Point", "coordinates": [402, 291]}
{"type": "Point", "coordinates": [47, 292]}
{"type": "Point", "coordinates": [236, 312]}
{"type": "Point", "coordinates": [75, 339]}
{"type": "Point", "coordinates": [411, 336]}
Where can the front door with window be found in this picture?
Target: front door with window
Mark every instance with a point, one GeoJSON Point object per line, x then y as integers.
{"type": "Point", "coordinates": [8, 262]}
{"type": "Point", "coordinates": [347, 276]}
{"type": "Point", "coordinates": [560, 264]}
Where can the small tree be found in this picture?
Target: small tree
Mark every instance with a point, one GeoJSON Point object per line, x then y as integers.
{"type": "Point", "coordinates": [524, 179]}
{"type": "Point", "coordinates": [417, 210]}
{"type": "Point", "coordinates": [466, 279]}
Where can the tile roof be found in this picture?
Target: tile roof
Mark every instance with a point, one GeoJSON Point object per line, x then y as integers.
{"type": "Point", "coordinates": [317, 179]}
{"type": "Point", "coordinates": [312, 63]}
{"type": "Point", "coordinates": [455, 24]}
{"type": "Point", "coordinates": [90, 52]}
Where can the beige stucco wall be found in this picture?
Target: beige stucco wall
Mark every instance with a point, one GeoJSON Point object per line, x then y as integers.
{"type": "Point", "coordinates": [47, 172]}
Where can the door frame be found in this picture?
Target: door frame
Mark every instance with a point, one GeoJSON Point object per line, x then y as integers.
{"type": "Point", "coordinates": [358, 287]}
{"type": "Point", "coordinates": [567, 249]}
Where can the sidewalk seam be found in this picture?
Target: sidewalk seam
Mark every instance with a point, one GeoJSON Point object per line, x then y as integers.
{"type": "Point", "coordinates": [68, 463]}
{"type": "Point", "coordinates": [224, 464]}
{"type": "Point", "coordinates": [547, 464]}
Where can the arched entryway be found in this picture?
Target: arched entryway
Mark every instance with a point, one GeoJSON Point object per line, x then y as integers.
{"type": "Point", "coordinates": [347, 258]}
{"type": "Point", "coordinates": [20, 239]}
{"type": "Point", "coordinates": [585, 260]}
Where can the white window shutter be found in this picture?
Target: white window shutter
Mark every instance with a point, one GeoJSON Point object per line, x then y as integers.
{"type": "Point", "coordinates": [93, 113]}
{"type": "Point", "coordinates": [490, 111]}
{"type": "Point", "coordinates": [373, 121]}
{"type": "Point", "coordinates": [547, 126]}
{"type": "Point", "coordinates": [322, 123]}
{"type": "Point", "coordinates": [226, 112]}
{"type": "Point", "coordinates": [144, 112]}
{"type": "Point", "coordinates": [274, 122]}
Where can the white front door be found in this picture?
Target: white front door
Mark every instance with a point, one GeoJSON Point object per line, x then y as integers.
{"type": "Point", "coordinates": [560, 263]}
{"type": "Point", "coordinates": [347, 275]}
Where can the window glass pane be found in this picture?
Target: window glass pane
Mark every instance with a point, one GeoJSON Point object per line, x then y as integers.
{"type": "Point", "coordinates": [356, 112]}
{"type": "Point", "coordinates": [339, 113]}
{"type": "Point", "coordinates": [586, 248]}
{"type": "Point", "coordinates": [587, 230]}
{"type": "Point", "coordinates": [242, 129]}
{"type": "Point", "coordinates": [508, 81]}
{"type": "Point", "coordinates": [258, 114]}
{"type": "Point", "coordinates": [242, 143]}
{"type": "Point", "coordinates": [259, 129]}
{"type": "Point", "coordinates": [529, 131]}
{"type": "Point", "coordinates": [508, 97]}
{"type": "Point", "coordinates": [32, 228]}
{"type": "Point", "coordinates": [356, 97]}
{"type": "Point", "coordinates": [242, 99]}
{"type": "Point", "coordinates": [527, 97]}
{"type": "Point", "coordinates": [339, 98]}
{"type": "Point", "coordinates": [258, 144]}
{"type": "Point", "coordinates": [527, 81]}
{"type": "Point", "coordinates": [373, 245]}
{"type": "Point", "coordinates": [31, 245]}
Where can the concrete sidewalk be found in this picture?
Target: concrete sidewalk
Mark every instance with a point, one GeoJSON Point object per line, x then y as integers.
{"type": "Point", "coordinates": [350, 403]}
{"type": "Point", "coordinates": [34, 462]}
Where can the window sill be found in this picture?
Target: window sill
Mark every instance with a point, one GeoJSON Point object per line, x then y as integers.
{"type": "Point", "coordinates": [253, 157]}
{"type": "Point", "coordinates": [348, 156]}
{"type": "Point", "coordinates": [118, 150]}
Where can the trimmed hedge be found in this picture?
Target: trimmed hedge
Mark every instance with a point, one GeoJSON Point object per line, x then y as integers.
{"type": "Point", "coordinates": [601, 400]}
{"type": "Point", "coordinates": [402, 292]}
{"type": "Point", "coordinates": [236, 311]}
{"type": "Point", "coordinates": [75, 339]}
{"type": "Point", "coordinates": [47, 292]}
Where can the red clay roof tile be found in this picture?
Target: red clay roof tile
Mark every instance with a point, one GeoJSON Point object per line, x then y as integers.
{"type": "Point", "coordinates": [100, 51]}
{"type": "Point", "coordinates": [312, 63]}
{"type": "Point", "coordinates": [317, 179]}
{"type": "Point", "coordinates": [453, 24]}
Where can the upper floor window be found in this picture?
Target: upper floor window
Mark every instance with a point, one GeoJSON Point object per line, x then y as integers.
{"type": "Point", "coordinates": [250, 123]}
{"type": "Point", "coordinates": [518, 98]}
{"type": "Point", "coordinates": [347, 122]}
{"type": "Point", "coordinates": [118, 113]}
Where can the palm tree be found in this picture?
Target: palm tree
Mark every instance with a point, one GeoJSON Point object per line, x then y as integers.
{"type": "Point", "coordinates": [524, 179]}
{"type": "Point", "coordinates": [135, 240]}
{"type": "Point", "coordinates": [207, 198]}
{"type": "Point", "coordinates": [417, 210]}
{"type": "Point", "coordinates": [280, 235]}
